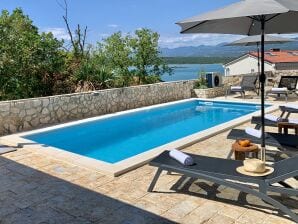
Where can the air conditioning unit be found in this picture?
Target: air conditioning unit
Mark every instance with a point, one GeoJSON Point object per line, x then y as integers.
{"type": "Point", "coordinates": [213, 79]}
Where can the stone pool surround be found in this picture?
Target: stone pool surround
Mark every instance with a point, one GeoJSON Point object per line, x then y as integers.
{"type": "Point", "coordinates": [28, 114]}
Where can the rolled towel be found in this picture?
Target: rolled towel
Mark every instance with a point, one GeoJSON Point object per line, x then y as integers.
{"type": "Point", "coordinates": [292, 106]}
{"type": "Point", "coordinates": [274, 118]}
{"type": "Point", "coordinates": [279, 89]}
{"type": "Point", "coordinates": [181, 157]}
{"type": "Point", "coordinates": [253, 132]}
{"type": "Point", "coordinates": [293, 121]}
{"type": "Point", "coordinates": [271, 117]}
{"type": "Point", "coordinates": [236, 88]}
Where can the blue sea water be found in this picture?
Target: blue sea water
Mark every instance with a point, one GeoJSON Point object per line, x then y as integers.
{"type": "Point", "coordinates": [120, 137]}
{"type": "Point", "coordinates": [191, 71]}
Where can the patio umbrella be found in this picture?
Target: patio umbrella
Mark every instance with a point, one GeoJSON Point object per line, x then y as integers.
{"type": "Point", "coordinates": [249, 17]}
{"type": "Point", "coordinates": [256, 40]}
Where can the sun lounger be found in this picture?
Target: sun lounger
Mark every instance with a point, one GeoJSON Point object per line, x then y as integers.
{"type": "Point", "coordinates": [223, 172]}
{"type": "Point", "coordinates": [289, 108]}
{"type": "Point", "coordinates": [272, 123]}
{"type": "Point", "coordinates": [258, 121]}
{"type": "Point", "coordinates": [286, 86]}
{"type": "Point", "coordinates": [272, 139]}
{"type": "Point", "coordinates": [286, 111]}
{"type": "Point", "coordinates": [6, 149]}
{"type": "Point", "coordinates": [248, 83]}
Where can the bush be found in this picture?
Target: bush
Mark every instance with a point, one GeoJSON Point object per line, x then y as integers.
{"type": "Point", "coordinates": [201, 83]}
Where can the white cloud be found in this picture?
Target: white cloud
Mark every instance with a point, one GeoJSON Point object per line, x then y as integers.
{"type": "Point", "coordinates": [113, 25]}
{"type": "Point", "coordinates": [185, 40]}
{"type": "Point", "coordinates": [59, 33]}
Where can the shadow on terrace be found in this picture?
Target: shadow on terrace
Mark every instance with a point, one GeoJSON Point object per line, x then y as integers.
{"type": "Point", "coordinates": [31, 196]}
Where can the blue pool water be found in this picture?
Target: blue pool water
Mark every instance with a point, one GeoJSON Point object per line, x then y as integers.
{"type": "Point", "coordinates": [119, 137]}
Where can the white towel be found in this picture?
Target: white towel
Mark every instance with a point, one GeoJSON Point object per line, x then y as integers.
{"type": "Point", "coordinates": [274, 118]}
{"type": "Point", "coordinates": [292, 106]}
{"type": "Point", "coordinates": [253, 132]}
{"type": "Point", "coordinates": [279, 89]}
{"type": "Point", "coordinates": [271, 117]}
{"type": "Point", "coordinates": [236, 88]}
{"type": "Point", "coordinates": [181, 157]}
{"type": "Point", "coordinates": [293, 121]}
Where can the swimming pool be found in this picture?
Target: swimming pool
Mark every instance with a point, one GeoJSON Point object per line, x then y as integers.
{"type": "Point", "coordinates": [118, 137]}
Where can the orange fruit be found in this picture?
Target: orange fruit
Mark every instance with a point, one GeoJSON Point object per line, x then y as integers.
{"type": "Point", "coordinates": [244, 143]}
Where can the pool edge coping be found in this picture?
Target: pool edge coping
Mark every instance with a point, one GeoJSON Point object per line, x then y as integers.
{"type": "Point", "coordinates": [131, 163]}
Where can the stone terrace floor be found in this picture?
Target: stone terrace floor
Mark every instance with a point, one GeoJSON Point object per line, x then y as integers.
{"type": "Point", "coordinates": [35, 188]}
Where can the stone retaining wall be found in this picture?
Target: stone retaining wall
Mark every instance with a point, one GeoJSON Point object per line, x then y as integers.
{"type": "Point", "coordinates": [210, 93]}
{"type": "Point", "coordinates": [27, 114]}
{"type": "Point", "coordinates": [272, 77]}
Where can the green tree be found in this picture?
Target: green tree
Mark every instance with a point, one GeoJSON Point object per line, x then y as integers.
{"type": "Point", "coordinates": [148, 63]}
{"type": "Point", "coordinates": [30, 63]}
{"type": "Point", "coordinates": [117, 51]}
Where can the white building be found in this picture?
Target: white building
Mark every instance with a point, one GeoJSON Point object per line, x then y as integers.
{"type": "Point", "coordinates": [274, 60]}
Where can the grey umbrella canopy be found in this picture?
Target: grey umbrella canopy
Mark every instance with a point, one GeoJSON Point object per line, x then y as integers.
{"type": "Point", "coordinates": [245, 17]}
{"type": "Point", "coordinates": [256, 39]}
{"type": "Point", "coordinates": [249, 17]}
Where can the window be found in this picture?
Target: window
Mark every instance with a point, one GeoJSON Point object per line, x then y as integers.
{"type": "Point", "coordinates": [227, 71]}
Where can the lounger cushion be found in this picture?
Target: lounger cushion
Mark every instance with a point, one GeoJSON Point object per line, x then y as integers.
{"type": "Point", "coordinates": [279, 90]}
{"type": "Point", "coordinates": [236, 88]}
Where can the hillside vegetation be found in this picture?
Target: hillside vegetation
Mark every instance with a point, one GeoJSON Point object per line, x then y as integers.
{"type": "Point", "coordinates": [34, 64]}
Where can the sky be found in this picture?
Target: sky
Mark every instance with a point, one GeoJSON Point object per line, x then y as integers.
{"type": "Point", "coordinates": [104, 17]}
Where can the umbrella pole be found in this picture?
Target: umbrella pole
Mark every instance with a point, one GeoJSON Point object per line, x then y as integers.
{"type": "Point", "coordinates": [258, 47]}
{"type": "Point", "coordinates": [262, 80]}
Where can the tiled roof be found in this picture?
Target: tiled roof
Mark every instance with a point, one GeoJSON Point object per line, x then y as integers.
{"type": "Point", "coordinates": [279, 56]}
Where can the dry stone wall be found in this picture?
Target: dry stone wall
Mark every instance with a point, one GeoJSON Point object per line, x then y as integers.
{"type": "Point", "coordinates": [272, 77]}
{"type": "Point", "coordinates": [210, 93]}
{"type": "Point", "coordinates": [27, 114]}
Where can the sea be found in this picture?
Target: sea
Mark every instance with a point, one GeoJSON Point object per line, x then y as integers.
{"type": "Point", "coordinates": [191, 71]}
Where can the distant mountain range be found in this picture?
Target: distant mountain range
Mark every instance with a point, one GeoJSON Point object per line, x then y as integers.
{"type": "Point", "coordinates": [220, 50]}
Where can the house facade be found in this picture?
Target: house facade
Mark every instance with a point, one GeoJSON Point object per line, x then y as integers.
{"type": "Point", "coordinates": [274, 60]}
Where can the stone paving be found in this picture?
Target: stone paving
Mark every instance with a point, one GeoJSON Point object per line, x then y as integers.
{"type": "Point", "coordinates": [35, 188]}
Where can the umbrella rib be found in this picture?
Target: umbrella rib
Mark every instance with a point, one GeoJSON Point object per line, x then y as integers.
{"type": "Point", "coordinates": [252, 22]}
{"type": "Point", "coordinates": [254, 18]}
{"type": "Point", "coordinates": [272, 17]}
{"type": "Point", "coordinates": [193, 26]}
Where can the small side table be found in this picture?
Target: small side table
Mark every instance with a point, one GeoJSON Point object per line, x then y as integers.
{"type": "Point", "coordinates": [285, 126]}
{"type": "Point", "coordinates": [240, 152]}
